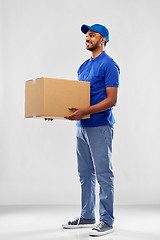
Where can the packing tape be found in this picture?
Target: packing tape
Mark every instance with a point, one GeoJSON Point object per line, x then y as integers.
{"type": "Point", "coordinates": [34, 81]}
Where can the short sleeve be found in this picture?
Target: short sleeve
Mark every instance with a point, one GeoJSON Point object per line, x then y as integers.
{"type": "Point", "coordinates": [112, 72]}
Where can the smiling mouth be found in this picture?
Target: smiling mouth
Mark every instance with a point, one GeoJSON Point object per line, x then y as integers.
{"type": "Point", "coordinates": [87, 43]}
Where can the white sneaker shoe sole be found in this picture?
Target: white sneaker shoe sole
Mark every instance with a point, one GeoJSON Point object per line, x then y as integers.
{"type": "Point", "coordinates": [96, 233]}
{"type": "Point", "coordinates": [67, 226]}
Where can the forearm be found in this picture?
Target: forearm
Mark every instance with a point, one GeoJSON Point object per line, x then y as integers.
{"type": "Point", "coordinates": [107, 103]}
{"type": "Point", "coordinates": [101, 106]}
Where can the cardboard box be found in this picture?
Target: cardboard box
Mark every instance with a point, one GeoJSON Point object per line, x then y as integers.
{"type": "Point", "coordinates": [50, 97]}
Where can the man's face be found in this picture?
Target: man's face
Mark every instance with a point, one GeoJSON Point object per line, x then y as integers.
{"type": "Point", "coordinates": [93, 40]}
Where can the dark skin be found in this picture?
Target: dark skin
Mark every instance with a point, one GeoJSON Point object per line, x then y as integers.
{"type": "Point", "coordinates": [94, 43]}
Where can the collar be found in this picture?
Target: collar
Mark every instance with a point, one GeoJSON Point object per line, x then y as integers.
{"type": "Point", "coordinates": [98, 57]}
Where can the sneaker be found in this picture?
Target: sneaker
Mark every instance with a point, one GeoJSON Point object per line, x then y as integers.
{"type": "Point", "coordinates": [101, 229]}
{"type": "Point", "coordinates": [79, 222]}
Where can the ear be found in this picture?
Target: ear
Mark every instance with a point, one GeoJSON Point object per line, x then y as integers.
{"type": "Point", "coordinates": [103, 40]}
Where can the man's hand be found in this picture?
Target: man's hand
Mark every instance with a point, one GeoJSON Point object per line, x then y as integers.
{"type": "Point", "coordinates": [49, 119]}
{"type": "Point", "coordinates": [78, 114]}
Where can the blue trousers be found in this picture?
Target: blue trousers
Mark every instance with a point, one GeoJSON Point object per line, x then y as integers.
{"type": "Point", "coordinates": [94, 150]}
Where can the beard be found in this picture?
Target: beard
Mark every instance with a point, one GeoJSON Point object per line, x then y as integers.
{"type": "Point", "coordinates": [92, 47]}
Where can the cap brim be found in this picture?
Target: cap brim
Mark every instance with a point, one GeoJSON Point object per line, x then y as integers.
{"type": "Point", "coordinates": [85, 28]}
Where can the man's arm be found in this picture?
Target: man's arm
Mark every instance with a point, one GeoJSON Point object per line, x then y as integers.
{"type": "Point", "coordinates": [107, 103]}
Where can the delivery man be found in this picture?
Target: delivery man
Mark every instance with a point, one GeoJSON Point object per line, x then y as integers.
{"type": "Point", "coordinates": [94, 135]}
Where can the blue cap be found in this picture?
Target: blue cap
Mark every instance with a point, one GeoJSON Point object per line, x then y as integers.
{"type": "Point", "coordinates": [96, 28]}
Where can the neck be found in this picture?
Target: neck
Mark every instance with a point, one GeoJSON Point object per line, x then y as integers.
{"type": "Point", "coordinates": [97, 52]}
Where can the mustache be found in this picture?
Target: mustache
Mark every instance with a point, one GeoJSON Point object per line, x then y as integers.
{"type": "Point", "coordinates": [87, 41]}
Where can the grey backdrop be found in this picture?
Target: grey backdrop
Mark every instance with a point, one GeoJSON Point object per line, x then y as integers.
{"type": "Point", "coordinates": [43, 38]}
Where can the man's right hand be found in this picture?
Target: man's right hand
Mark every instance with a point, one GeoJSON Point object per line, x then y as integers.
{"type": "Point", "coordinates": [49, 119]}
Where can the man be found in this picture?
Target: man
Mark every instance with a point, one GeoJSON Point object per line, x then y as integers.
{"type": "Point", "coordinates": [94, 135]}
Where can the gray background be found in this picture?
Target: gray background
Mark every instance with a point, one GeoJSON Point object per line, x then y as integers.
{"type": "Point", "coordinates": [43, 38]}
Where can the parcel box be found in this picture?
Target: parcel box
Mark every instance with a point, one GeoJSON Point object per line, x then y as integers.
{"type": "Point", "coordinates": [50, 97]}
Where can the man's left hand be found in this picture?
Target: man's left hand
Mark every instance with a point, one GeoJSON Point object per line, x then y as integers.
{"type": "Point", "coordinates": [78, 114]}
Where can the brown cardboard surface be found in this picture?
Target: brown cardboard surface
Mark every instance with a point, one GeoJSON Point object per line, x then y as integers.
{"type": "Point", "coordinates": [50, 97]}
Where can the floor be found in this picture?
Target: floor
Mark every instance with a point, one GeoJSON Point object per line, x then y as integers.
{"type": "Point", "coordinates": [44, 223]}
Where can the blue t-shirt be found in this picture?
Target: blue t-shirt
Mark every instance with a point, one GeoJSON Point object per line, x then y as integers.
{"type": "Point", "coordinates": [101, 72]}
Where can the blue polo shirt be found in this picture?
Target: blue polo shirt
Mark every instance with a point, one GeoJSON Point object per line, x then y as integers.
{"type": "Point", "coordinates": [101, 72]}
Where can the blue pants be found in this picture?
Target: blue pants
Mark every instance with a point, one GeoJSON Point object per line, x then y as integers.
{"type": "Point", "coordinates": [94, 150]}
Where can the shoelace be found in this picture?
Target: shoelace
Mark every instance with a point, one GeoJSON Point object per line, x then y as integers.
{"type": "Point", "coordinates": [99, 226]}
{"type": "Point", "coordinates": [75, 220]}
